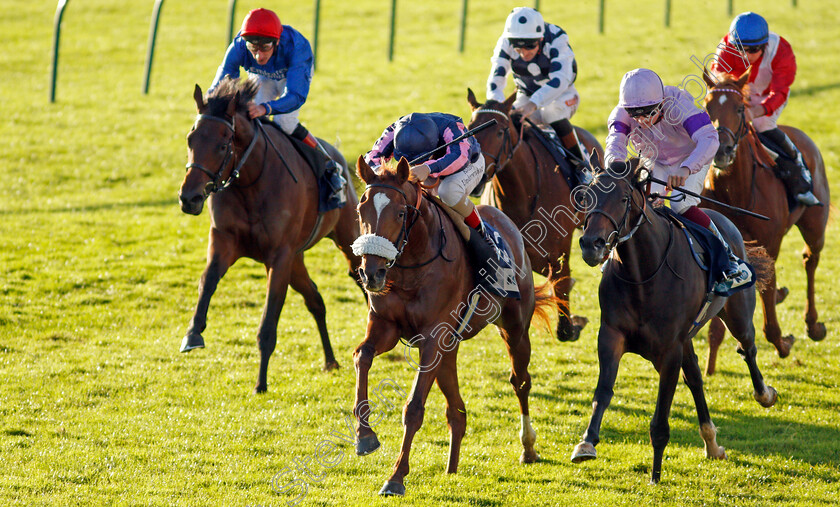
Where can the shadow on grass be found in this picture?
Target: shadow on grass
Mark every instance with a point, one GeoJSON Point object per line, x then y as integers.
{"type": "Point", "coordinates": [95, 207]}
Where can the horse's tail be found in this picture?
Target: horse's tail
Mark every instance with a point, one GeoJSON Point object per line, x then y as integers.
{"type": "Point", "coordinates": [761, 262]}
{"type": "Point", "coordinates": [546, 304]}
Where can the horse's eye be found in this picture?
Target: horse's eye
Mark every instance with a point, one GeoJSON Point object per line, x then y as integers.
{"type": "Point", "coordinates": [499, 134]}
{"type": "Point", "coordinates": [741, 110]}
{"type": "Point", "coordinates": [625, 199]}
{"type": "Point", "coordinates": [401, 214]}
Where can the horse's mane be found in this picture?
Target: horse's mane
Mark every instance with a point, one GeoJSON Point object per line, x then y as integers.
{"type": "Point", "coordinates": [731, 81]}
{"type": "Point", "coordinates": [492, 104]}
{"type": "Point", "coordinates": [218, 99]}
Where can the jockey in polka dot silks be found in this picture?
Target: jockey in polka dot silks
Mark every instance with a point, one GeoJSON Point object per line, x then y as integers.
{"type": "Point", "coordinates": [749, 45]}
{"type": "Point", "coordinates": [280, 59]}
{"type": "Point", "coordinates": [544, 70]}
{"type": "Point", "coordinates": [460, 167]}
{"type": "Point", "coordinates": [677, 142]}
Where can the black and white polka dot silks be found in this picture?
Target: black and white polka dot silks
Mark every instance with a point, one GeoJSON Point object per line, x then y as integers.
{"type": "Point", "coordinates": [545, 78]}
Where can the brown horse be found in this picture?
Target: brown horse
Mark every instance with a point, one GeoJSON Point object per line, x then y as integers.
{"type": "Point", "coordinates": [527, 186]}
{"type": "Point", "coordinates": [651, 292]}
{"type": "Point", "coordinates": [422, 294]}
{"type": "Point", "coordinates": [739, 178]}
{"type": "Point", "coordinates": [263, 200]}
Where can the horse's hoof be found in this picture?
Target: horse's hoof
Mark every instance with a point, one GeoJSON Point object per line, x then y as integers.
{"type": "Point", "coordinates": [260, 389]}
{"type": "Point", "coordinates": [784, 345]}
{"type": "Point", "coordinates": [192, 341]}
{"type": "Point", "coordinates": [391, 488]}
{"type": "Point", "coordinates": [584, 451]}
{"type": "Point", "coordinates": [721, 454]}
{"type": "Point", "coordinates": [781, 294]}
{"type": "Point", "coordinates": [331, 365]}
{"type": "Point", "coordinates": [367, 445]}
{"type": "Point", "coordinates": [768, 398]}
{"type": "Point", "coordinates": [816, 331]}
{"type": "Point", "coordinates": [529, 457]}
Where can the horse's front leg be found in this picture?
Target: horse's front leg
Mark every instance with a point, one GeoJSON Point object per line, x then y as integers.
{"type": "Point", "coordinates": [279, 272]}
{"type": "Point", "coordinates": [610, 349]}
{"type": "Point", "coordinates": [811, 258]}
{"type": "Point", "coordinates": [660, 429]}
{"type": "Point", "coordinates": [430, 359]}
{"type": "Point", "coordinates": [569, 326]}
{"type": "Point", "coordinates": [381, 336]}
{"type": "Point", "coordinates": [220, 256]}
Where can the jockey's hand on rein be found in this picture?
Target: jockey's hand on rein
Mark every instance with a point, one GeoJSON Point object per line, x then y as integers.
{"type": "Point", "coordinates": [527, 109]}
{"type": "Point", "coordinates": [419, 173]}
{"type": "Point", "coordinates": [678, 180]}
{"type": "Point", "coordinates": [256, 110]}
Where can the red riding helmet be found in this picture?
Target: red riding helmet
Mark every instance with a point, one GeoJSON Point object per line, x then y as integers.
{"type": "Point", "coordinates": [262, 23]}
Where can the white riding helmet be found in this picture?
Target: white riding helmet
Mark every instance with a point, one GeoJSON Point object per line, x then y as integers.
{"type": "Point", "coordinates": [640, 88]}
{"type": "Point", "coordinates": [524, 23]}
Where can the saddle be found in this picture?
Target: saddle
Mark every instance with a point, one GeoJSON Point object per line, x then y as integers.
{"type": "Point", "coordinates": [317, 163]}
{"type": "Point", "coordinates": [562, 158]}
{"type": "Point", "coordinates": [493, 266]}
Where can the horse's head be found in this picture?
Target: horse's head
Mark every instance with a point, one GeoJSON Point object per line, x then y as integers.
{"type": "Point", "coordinates": [615, 203]}
{"type": "Point", "coordinates": [221, 121]}
{"type": "Point", "coordinates": [497, 142]}
{"type": "Point", "coordinates": [726, 101]}
{"type": "Point", "coordinates": [387, 211]}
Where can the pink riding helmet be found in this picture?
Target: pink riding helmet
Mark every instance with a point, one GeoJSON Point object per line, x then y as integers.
{"type": "Point", "coordinates": [640, 88]}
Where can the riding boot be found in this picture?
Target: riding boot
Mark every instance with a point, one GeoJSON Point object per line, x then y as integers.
{"type": "Point", "coordinates": [797, 178]}
{"type": "Point", "coordinates": [570, 142]}
{"type": "Point", "coordinates": [736, 273]}
{"type": "Point", "coordinates": [333, 171]}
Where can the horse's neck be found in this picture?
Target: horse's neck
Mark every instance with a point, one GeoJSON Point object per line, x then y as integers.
{"type": "Point", "coordinates": [642, 253]}
{"type": "Point", "coordinates": [736, 184]}
{"type": "Point", "coordinates": [518, 181]}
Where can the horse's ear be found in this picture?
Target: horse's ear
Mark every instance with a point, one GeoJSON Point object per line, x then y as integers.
{"type": "Point", "coordinates": [474, 104]}
{"type": "Point", "coordinates": [508, 103]}
{"type": "Point", "coordinates": [231, 107]}
{"type": "Point", "coordinates": [743, 79]}
{"type": "Point", "coordinates": [199, 99]}
{"type": "Point", "coordinates": [402, 170]}
{"type": "Point", "coordinates": [595, 162]}
{"type": "Point", "coordinates": [710, 82]}
{"type": "Point", "coordinates": [364, 171]}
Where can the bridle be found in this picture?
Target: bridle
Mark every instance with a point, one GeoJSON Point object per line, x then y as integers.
{"type": "Point", "coordinates": [216, 184]}
{"type": "Point", "coordinates": [743, 128]}
{"type": "Point", "coordinates": [507, 142]}
{"type": "Point", "coordinates": [407, 225]}
{"type": "Point", "coordinates": [616, 238]}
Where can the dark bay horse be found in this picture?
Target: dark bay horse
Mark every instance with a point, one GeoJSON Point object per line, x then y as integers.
{"type": "Point", "coordinates": [739, 177]}
{"type": "Point", "coordinates": [528, 188]}
{"type": "Point", "coordinates": [650, 294]}
{"type": "Point", "coordinates": [422, 294]}
{"type": "Point", "coordinates": [268, 213]}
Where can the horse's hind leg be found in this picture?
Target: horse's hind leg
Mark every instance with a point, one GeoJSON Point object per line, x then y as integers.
{"type": "Point", "coordinates": [738, 318]}
{"type": "Point", "coordinates": [302, 283]}
{"type": "Point", "coordinates": [811, 258]}
{"type": "Point", "coordinates": [519, 350]}
{"type": "Point", "coordinates": [660, 429]}
{"type": "Point", "coordinates": [772, 331]}
{"type": "Point", "coordinates": [568, 327]}
{"type": "Point", "coordinates": [694, 381]}
{"type": "Point", "coordinates": [220, 256]}
{"type": "Point", "coordinates": [456, 414]}
{"type": "Point", "coordinates": [717, 331]}
{"type": "Point", "coordinates": [611, 345]}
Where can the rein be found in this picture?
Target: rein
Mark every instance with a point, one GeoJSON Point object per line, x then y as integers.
{"type": "Point", "coordinates": [507, 140]}
{"type": "Point", "coordinates": [217, 185]}
{"type": "Point", "coordinates": [743, 126]}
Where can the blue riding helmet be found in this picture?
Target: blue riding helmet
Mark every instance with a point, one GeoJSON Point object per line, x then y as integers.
{"type": "Point", "coordinates": [750, 29]}
{"type": "Point", "coordinates": [415, 135]}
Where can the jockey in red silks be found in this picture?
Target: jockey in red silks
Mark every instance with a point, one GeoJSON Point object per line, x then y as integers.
{"type": "Point", "coordinates": [677, 142]}
{"type": "Point", "coordinates": [772, 66]}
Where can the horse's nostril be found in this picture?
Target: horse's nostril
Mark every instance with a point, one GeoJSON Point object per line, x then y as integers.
{"type": "Point", "coordinates": [196, 199]}
{"type": "Point", "coordinates": [380, 273]}
{"type": "Point", "coordinates": [599, 243]}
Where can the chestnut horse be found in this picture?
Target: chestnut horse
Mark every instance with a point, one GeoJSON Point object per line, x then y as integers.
{"type": "Point", "coordinates": [527, 186]}
{"type": "Point", "coordinates": [269, 212]}
{"type": "Point", "coordinates": [651, 292]}
{"type": "Point", "coordinates": [422, 294]}
{"type": "Point", "coordinates": [739, 178]}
